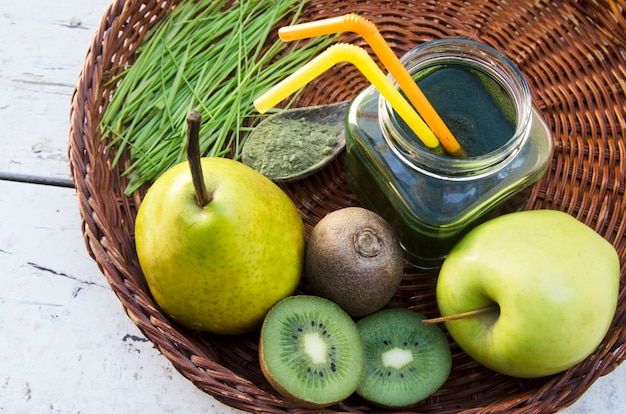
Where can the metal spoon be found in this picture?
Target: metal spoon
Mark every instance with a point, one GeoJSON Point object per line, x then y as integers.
{"type": "Point", "coordinates": [296, 143]}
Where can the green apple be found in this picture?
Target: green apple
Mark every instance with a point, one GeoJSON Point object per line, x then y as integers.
{"type": "Point", "coordinates": [555, 282]}
{"type": "Point", "coordinates": [219, 266]}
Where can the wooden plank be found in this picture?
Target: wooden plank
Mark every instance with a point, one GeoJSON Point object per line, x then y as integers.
{"type": "Point", "coordinates": [66, 344]}
{"type": "Point", "coordinates": [43, 49]}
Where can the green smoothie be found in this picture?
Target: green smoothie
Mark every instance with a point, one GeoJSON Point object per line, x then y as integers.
{"type": "Point", "coordinates": [429, 210]}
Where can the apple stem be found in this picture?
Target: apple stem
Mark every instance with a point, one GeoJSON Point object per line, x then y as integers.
{"type": "Point", "coordinates": [194, 119]}
{"type": "Point", "coordinates": [441, 319]}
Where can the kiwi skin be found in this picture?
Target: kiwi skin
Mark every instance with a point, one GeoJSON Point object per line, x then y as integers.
{"type": "Point", "coordinates": [344, 332]}
{"type": "Point", "coordinates": [285, 392]}
{"type": "Point", "coordinates": [354, 258]}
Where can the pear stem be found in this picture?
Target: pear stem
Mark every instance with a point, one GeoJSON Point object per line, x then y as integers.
{"type": "Point", "coordinates": [194, 119]}
{"type": "Point", "coordinates": [468, 314]}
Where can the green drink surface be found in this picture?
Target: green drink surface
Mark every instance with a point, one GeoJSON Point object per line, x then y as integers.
{"type": "Point", "coordinates": [473, 105]}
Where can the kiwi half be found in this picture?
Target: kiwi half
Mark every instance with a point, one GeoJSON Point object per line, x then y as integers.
{"type": "Point", "coordinates": [311, 351]}
{"type": "Point", "coordinates": [405, 360]}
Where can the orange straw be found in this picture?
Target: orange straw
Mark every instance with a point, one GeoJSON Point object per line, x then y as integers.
{"type": "Point", "coordinates": [367, 29]}
{"type": "Point", "coordinates": [361, 59]}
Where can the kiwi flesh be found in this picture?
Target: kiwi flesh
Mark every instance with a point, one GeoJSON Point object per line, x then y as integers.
{"type": "Point", "coordinates": [405, 360]}
{"type": "Point", "coordinates": [311, 351]}
{"type": "Point", "coordinates": [354, 258]}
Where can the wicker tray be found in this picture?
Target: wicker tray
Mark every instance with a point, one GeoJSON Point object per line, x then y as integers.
{"type": "Point", "coordinates": [573, 55]}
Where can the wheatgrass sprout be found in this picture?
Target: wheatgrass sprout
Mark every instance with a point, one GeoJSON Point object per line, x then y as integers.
{"type": "Point", "coordinates": [207, 55]}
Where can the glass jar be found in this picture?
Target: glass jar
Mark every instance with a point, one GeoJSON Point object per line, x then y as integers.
{"type": "Point", "coordinates": [430, 199]}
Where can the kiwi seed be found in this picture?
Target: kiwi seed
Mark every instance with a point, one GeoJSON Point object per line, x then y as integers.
{"type": "Point", "coordinates": [354, 258]}
{"type": "Point", "coordinates": [405, 360]}
{"type": "Point", "coordinates": [311, 351]}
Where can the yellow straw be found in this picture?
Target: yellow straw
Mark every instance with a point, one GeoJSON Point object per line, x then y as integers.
{"type": "Point", "coordinates": [367, 30]}
{"type": "Point", "coordinates": [361, 59]}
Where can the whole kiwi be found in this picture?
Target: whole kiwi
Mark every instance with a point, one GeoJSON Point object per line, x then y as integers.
{"type": "Point", "coordinates": [354, 258]}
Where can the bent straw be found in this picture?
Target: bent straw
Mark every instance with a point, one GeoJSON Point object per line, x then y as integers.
{"type": "Point", "coordinates": [356, 55]}
{"type": "Point", "coordinates": [367, 30]}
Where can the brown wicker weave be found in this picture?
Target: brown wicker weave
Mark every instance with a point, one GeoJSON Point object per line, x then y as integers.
{"type": "Point", "coordinates": [573, 55]}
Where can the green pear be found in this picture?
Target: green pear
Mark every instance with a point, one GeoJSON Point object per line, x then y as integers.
{"type": "Point", "coordinates": [219, 243]}
{"type": "Point", "coordinates": [549, 285]}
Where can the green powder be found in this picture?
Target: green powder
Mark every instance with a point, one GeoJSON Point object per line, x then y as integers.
{"type": "Point", "coordinates": [288, 147]}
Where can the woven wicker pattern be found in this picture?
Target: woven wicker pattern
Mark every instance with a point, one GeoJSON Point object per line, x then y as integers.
{"type": "Point", "coordinates": [573, 55]}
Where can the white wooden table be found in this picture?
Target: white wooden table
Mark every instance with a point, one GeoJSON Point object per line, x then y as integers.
{"type": "Point", "coordinates": [66, 345]}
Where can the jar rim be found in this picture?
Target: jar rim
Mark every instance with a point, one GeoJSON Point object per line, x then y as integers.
{"type": "Point", "coordinates": [482, 57]}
